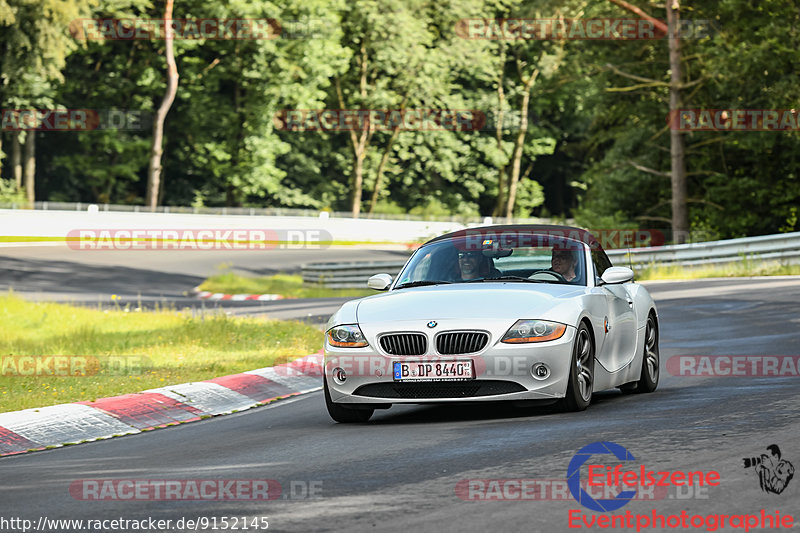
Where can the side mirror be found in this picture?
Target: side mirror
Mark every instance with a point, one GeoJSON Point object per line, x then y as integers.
{"type": "Point", "coordinates": [381, 282]}
{"type": "Point", "coordinates": [614, 275]}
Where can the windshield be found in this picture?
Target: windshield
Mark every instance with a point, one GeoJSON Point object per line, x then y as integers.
{"type": "Point", "coordinates": [534, 258]}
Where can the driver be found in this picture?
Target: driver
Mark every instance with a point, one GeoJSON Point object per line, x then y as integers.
{"type": "Point", "coordinates": [471, 264]}
{"type": "Point", "coordinates": [564, 262]}
{"type": "Point", "coordinates": [475, 265]}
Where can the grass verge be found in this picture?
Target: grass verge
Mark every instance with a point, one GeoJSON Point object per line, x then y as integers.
{"type": "Point", "coordinates": [117, 352]}
{"type": "Point", "coordinates": [742, 268]}
{"type": "Point", "coordinates": [287, 285]}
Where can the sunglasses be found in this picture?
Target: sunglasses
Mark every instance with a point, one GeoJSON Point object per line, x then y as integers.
{"type": "Point", "coordinates": [469, 255]}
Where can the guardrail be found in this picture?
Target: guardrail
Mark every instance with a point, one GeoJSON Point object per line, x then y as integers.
{"type": "Point", "coordinates": [783, 247]}
{"type": "Point", "coordinates": [348, 275]}
{"type": "Point", "coordinates": [267, 211]}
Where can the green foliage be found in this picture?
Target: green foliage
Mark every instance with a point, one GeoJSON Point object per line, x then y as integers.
{"type": "Point", "coordinates": [388, 207]}
{"type": "Point", "coordinates": [529, 196]}
{"type": "Point", "coordinates": [9, 194]}
{"type": "Point", "coordinates": [596, 147]}
{"type": "Point", "coordinates": [740, 183]}
{"type": "Point", "coordinates": [286, 285]}
{"type": "Point", "coordinates": [33, 49]}
{"type": "Point", "coordinates": [435, 208]}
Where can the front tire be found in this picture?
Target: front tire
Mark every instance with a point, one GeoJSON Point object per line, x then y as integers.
{"type": "Point", "coordinates": [342, 414]}
{"type": "Point", "coordinates": [648, 379]}
{"type": "Point", "coordinates": [581, 374]}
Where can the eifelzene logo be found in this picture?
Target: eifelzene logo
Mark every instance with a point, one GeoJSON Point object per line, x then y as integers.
{"type": "Point", "coordinates": [774, 473]}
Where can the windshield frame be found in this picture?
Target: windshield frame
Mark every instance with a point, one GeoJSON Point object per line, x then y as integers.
{"type": "Point", "coordinates": [585, 279]}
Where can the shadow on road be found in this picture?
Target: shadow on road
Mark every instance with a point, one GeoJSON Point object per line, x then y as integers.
{"type": "Point", "coordinates": [480, 411]}
{"type": "Point", "coordinates": [67, 277]}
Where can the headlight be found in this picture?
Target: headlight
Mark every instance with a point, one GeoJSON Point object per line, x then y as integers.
{"type": "Point", "coordinates": [533, 331]}
{"type": "Point", "coordinates": [348, 336]}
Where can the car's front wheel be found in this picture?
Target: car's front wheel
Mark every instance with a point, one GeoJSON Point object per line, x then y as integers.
{"type": "Point", "coordinates": [343, 414]}
{"type": "Point", "coordinates": [581, 374]}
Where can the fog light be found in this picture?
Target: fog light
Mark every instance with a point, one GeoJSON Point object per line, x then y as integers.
{"type": "Point", "coordinates": [540, 371]}
{"type": "Point", "coordinates": [339, 376]}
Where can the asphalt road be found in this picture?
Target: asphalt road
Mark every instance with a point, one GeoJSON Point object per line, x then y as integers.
{"type": "Point", "coordinates": [164, 278]}
{"type": "Point", "coordinates": [400, 471]}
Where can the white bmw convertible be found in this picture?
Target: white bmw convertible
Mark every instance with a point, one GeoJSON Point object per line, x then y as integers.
{"type": "Point", "coordinates": [493, 313]}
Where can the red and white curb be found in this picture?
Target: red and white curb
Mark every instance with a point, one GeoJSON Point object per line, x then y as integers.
{"type": "Point", "coordinates": [207, 295]}
{"type": "Point", "coordinates": [74, 423]}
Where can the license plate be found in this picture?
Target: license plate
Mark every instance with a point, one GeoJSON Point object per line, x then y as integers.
{"type": "Point", "coordinates": [433, 371]}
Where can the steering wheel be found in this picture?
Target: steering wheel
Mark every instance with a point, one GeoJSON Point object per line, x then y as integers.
{"type": "Point", "coordinates": [553, 274]}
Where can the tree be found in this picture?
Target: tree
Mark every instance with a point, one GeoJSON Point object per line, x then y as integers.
{"type": "Point", "coordinates": [389, 44]}
{"type": "Point", "coordinates": [29, 168]}
{"type": "Point", "coordinates": [596, 144]}
{"type": "Point", "coordinates": [33, 49]}
{"type": "Point", "coordinates": [16, 160]}
{"type": "Point", "coordinates": [521, 63]}
{"type": "Point", "coordinates": [680, 211]}
{"type": "Point", "coordinates": [154, 171]}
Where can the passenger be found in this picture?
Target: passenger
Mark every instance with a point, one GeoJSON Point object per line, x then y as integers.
{"type": "Point", "coordinates": [563, 262]}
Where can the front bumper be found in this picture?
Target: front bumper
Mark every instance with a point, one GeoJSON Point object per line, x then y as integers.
{"type": "Point", "coordinates": [502, 372]}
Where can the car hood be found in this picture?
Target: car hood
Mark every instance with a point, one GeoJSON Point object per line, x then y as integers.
{"type": "Point", "coordinates": [478, 300]}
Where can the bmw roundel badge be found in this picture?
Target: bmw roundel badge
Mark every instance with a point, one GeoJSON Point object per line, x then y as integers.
{"type": "Point", "coordinates": [432, 324]}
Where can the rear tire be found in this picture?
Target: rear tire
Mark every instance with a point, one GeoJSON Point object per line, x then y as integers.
{"type": "Point", "coordinates": [648, 378]}
{"type": "Point", "coordinates": [581, 374]}
{"type": "Point", "coordinates": [342, 414]}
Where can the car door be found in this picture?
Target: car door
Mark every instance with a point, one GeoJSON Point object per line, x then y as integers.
{"type": "Point", "coordinates": [619, 323]}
